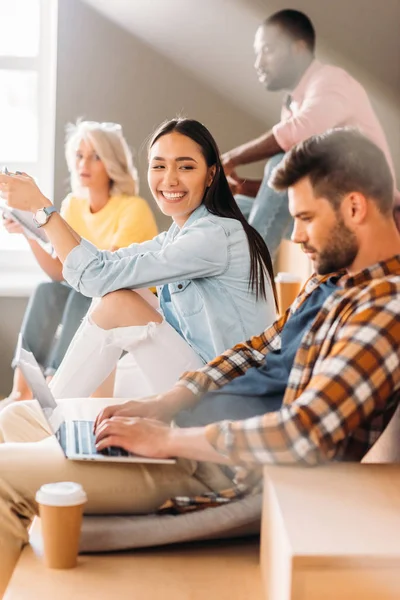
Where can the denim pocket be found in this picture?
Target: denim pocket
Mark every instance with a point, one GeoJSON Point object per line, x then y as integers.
{"type": "Point", "coordinates": [186, 297]}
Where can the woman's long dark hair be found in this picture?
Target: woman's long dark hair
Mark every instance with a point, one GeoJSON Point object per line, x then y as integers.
{"type": "Point", "coordinates": [219, 199]}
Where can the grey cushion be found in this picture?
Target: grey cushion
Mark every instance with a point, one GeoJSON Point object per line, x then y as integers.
{"type": "Point", "coordinates": [236, 519]}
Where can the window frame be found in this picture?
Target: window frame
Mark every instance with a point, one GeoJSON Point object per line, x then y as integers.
{"type": "Point", "coordinates": [45, 64]}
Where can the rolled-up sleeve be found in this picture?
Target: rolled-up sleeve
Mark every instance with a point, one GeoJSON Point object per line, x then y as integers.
{"type": "Point", "coordinates": [199, 251]}
{"type": "Point", "coordinates": [360, 375]}
{"type": "Point", "coordinates": [234, 362]}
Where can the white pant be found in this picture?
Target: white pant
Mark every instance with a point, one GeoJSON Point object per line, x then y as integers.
{"type": "Point", "coordinates": [160, 354]}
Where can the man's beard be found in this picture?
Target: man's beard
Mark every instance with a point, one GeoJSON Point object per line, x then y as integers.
{"type": "Point", "coordinates": [340, 252]}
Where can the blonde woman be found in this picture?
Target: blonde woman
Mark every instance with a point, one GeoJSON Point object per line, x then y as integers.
{"type": "Point", "coordinates": [103, 207]}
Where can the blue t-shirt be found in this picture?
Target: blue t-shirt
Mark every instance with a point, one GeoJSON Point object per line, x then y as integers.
{"type": "Point", "coordinates": [261, 389]}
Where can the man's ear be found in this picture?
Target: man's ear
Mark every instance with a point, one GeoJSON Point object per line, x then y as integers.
{"type": "Point", "coordinates": [355, 206]}
{"type": "Point", "coordinates": [300, 46]}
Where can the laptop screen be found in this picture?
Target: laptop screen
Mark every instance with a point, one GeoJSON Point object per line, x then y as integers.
{"type": "Point", "coordinates": [35, 378]}
{"type": "Point", "coordinates": [40, 390]}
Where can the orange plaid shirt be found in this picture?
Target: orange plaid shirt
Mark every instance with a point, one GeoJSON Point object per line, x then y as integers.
{"type": "Point", "coordinates": [344, 385]}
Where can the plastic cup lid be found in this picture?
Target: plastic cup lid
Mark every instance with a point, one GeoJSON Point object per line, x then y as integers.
{"type": "Point", "coordinates": [65, 493]}
{"type": "Point", "coordinates": [288, 278]}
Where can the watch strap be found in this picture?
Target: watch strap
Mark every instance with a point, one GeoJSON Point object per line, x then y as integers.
{"type": "Point", "coordinates": [48, 211]}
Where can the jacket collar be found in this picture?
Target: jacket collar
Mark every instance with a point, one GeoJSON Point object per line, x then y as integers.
{"type": "Point", "coordinates": [201, 211]}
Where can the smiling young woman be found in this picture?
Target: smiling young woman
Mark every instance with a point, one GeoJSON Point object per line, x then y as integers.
{"type": "Point", "coordinates": [212, 270]}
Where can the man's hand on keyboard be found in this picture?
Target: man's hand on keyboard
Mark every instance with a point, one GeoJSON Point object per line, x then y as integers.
{"type": "Point", "coordinates": [146, 437]}
{"type": "Point", "coordinates": [163, 407]}
{"type": "Point", "coordinates": [153, 439]}
{"type": "Point", "coordinates": [148, 409]}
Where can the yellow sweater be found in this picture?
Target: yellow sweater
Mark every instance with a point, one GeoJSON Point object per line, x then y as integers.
{"type": "Point", "coordinates": [124, 220]}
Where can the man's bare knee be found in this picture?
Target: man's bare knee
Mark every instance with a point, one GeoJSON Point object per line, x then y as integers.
{"type": "Point", "coordinates": [123, 308]}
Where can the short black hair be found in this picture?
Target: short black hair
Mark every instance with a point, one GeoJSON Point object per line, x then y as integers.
{"type": "Point", "coordinates": [337, 163]}
{"type": "Point", "coordinates": [296, 24]}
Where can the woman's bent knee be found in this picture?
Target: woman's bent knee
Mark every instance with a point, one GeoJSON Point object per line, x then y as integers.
{"type": "Point", "coordinates": [123, 308]}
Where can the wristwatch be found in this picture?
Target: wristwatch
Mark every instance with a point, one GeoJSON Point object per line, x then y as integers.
{"type": "Point", "coordinates": [42, 215]}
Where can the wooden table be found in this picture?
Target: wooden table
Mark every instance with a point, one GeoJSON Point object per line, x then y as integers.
{"type": "Point", "coordinates": [218, 570]}
{"type": "Point", "coordinates": [331, 533]}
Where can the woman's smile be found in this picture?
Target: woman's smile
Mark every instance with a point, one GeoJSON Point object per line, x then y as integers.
{"type": "Point", "coordinates": [173, 197]}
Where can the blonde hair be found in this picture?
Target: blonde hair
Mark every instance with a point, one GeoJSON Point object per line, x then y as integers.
{"type": "Point", "coordinates": [109, 143]}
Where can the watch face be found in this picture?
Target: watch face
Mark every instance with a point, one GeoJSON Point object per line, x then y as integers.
{"type": "Point", "coordinates": [41, 217]}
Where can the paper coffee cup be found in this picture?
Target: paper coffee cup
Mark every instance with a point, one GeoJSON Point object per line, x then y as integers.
{"type": "Point", "coordinates": [60, 510]}
{"type": "Point", "coordinates": [288, 286]}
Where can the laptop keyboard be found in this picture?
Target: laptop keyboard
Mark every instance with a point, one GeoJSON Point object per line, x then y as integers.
{"type": "Point", "coordinates": [77, 437]}
{"type": "Point", "coordinates": [84, 437]}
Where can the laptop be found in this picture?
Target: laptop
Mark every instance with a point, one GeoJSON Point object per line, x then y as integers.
{"type": "Point", "coordinates": [76, 438]}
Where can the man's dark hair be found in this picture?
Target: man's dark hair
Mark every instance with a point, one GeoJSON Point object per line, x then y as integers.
{"type": "Point", "coordinates": [337, 163]}
{"type": "Point", "coordinates": [296, 24]}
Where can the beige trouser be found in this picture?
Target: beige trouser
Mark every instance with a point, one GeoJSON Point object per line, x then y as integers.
{"type": "Point", "coordinates": [30, 457]}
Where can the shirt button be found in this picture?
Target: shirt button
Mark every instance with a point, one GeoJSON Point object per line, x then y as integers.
{"type": "Point", "coordinates": [180, 286]}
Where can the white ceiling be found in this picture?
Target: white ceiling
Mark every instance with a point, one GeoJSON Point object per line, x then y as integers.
{"type": "Point", "coordinates": [213, 40]}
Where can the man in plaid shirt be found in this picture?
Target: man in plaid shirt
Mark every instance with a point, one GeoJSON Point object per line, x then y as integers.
{"type": "Point", "coordinates": [335, 354]}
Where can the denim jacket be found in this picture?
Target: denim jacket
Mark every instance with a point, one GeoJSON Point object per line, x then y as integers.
{"type": "Point", "coordinates": [202, 276]}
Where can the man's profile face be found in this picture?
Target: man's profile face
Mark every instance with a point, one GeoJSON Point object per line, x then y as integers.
{"type": "Point", "coordinates": [321, 230]}
{"type": "Point", "coordinates": [275, 61]}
